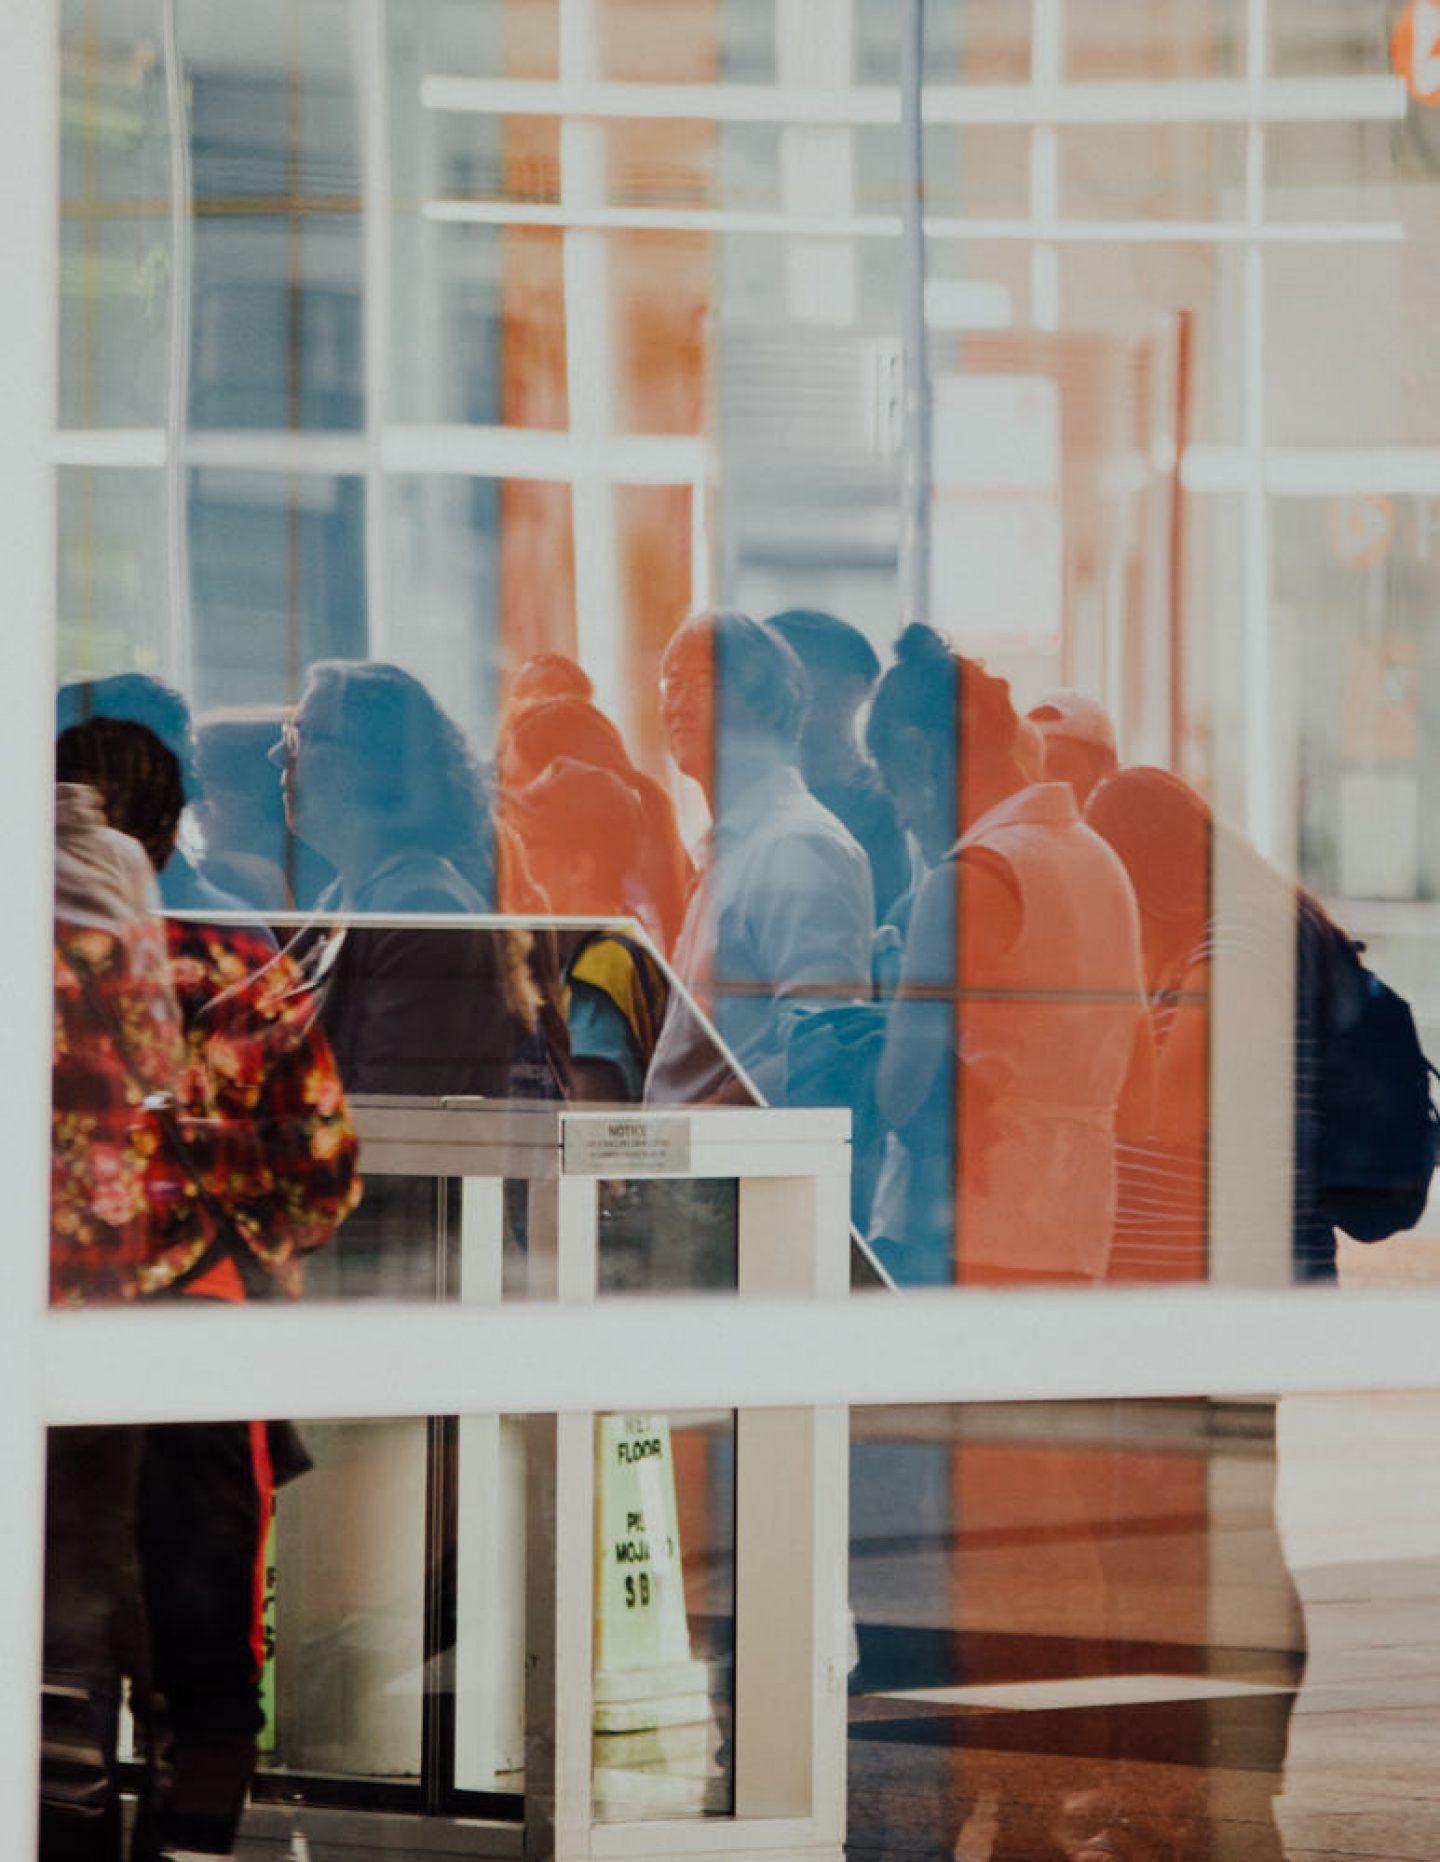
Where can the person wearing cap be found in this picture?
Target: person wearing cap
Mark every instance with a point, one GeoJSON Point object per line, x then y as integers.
{"type": "Point", "coordinates": [1079, 740]}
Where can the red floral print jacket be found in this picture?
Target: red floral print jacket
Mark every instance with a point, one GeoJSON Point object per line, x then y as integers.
{"type": "Point", "coordinates": [258, 1100]}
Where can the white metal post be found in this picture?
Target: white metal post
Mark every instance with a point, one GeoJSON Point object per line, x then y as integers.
{"type": "Point", "coordinates": [29, 228]}
{"type": "Point", "coordinates": [489, 1538]}
{"type": "Point", "coordinates": [372, 108]}
{"type": "Point", "coordinates": [562, 1244]}
{"type": "Point", "coordinates": [915, 458]}
{"type": "Point", "coordinates": [28, 373]}
{"type": "Point", "coordinates": [1046, 60]}
{"type": "Point", "coordinates": [791, 1536]}
{"type": "Point", "coordinates": [590, 374]}
{"type": "Point", "coordinates": [1252, 977]}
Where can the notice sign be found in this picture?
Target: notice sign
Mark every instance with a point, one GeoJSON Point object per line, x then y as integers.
{"type": "Point", "coordinates": [628, 1145]}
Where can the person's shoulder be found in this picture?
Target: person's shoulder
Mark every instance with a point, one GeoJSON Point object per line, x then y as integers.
{"type": "Point", "coordinates": [184, 888]}
{"type": "Point", "coordinates": [801, 820]}
{"type": "Point", "coordinates": [419, 881]}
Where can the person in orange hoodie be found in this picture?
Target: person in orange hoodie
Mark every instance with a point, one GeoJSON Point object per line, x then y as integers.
{"type": "Point", "coordinates": [658, 872]}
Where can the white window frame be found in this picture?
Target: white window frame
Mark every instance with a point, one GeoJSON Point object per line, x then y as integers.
{"type": "Point", "coordinates": [666, 1355]}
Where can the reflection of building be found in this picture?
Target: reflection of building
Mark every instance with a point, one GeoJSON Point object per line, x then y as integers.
{"type": "Point", "coordinates": [526, 324]}
{"type": "Point", "coordinates": [453, 328]}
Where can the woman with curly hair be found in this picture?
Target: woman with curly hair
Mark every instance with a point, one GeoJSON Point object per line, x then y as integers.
{"type": "Point", "coordinates": [259, 1159]}
{"type": "Point", "coordinates": [381, 782]}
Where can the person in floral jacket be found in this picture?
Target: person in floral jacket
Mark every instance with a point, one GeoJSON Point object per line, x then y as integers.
{"type": "Point", "coordinates": [256, 1093]}
{"type": "Point", "coordinates": [114, 1191]}
{"type": "Point", "coordinates": [264, 1172]}
{"type": "Point", "coordinates": [109, 1180]}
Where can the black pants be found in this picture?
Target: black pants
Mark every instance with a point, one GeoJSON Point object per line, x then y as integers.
{"type": "Point", "coordinates": [204, 1509]}
{"type": "Point", "coordinates": [94, 1637]}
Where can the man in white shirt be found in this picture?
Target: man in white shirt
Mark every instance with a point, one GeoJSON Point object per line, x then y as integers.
{"type": "Point", "coordinates": [783, 913]}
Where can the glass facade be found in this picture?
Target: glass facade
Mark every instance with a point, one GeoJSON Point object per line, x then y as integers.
{"type": "Point", "coordinates": [750, 558]}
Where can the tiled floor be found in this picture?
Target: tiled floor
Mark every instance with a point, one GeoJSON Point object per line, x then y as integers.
{"type": "Point", "coordinates": [1102, 1655]}
{"type": "Point", "coordinates": [1083, 1637]}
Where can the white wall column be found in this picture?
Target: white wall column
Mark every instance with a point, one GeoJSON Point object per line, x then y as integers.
{"type": "Point", "coordinates": [29, 312]}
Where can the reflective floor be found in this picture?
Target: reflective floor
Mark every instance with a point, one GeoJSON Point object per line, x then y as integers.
{"type": "Point", "coordinates": [1089, 1650]}
{"type": "Point", "coordinates": [1122, 1632]}
{"type": "Point", "coordinates": [1095, 1646]}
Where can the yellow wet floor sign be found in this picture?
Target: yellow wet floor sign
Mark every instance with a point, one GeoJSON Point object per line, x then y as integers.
{"type": "Point", "coordinates": [266, 1741]}
{"type": "Point", "coordinates": [645, 1675]}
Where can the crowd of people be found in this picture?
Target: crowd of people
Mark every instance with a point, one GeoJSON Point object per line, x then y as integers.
{"type": "Point", "coordinates": [969, 925]}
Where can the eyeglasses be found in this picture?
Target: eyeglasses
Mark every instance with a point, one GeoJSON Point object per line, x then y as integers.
{"type": "Point", "coordinates": [288, 748]}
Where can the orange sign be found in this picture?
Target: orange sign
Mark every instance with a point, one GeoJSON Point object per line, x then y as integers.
{"type": "Point", "coordinates": [1362, 528]}
{"type": "Point", "coordinates": [1415, 50]}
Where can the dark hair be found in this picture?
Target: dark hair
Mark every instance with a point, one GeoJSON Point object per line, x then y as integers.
{"type": "Point", "coordinates": [825, 643]}
{"type": "Point", "coordinates": [136, 698]}
{"type": "Point", "coordinates": [919, 692]}
{"type": "Point", "coordinates": [414, 771]}
{"type": "Point", "coordinates": [137, 777]}
{"type": "Point", "coordinates": [965, 713]}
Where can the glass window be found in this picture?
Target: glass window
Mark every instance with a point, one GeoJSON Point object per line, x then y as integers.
{"type": "Point", "coordinates": [1123, 40]}
{"type": "Point", "coordinates": [276, 261]}
{"type": "Point", "coordinates": [1356, 172]}
{"type": "Point", "coordinates": [114, 591]}
{"type": "Point", "coordinates": [117, 260]}
{"type": "Point", "coordinates": [466, 296]}
{"type": "Point", "coordinates": [1123, 288]}
{"type": "Point", "coordinates": [1182, 171]}
{"type": "Point", "coordinates": [1342, 38]}
{"type": "Point", "coordinates": [500, 475]}
{"type": "Point", "coordinates": [461, 551]}
{"type": "Point", "coordinates": [984, 43]}
{"type": "Point", "coordinates": [277, 580]}
{"type": "Point", "coordinates": [1349, 317]}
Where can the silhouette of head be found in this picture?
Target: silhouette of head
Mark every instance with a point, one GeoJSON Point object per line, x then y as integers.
{"type": "Point", "coordinates": [1079, 740]}
{"type": "Point", "coordinates": [1162, 831]}
{"type": "Point", "coordinates": [136, 698]}
{"type": "Point", "coordinates": [370, 759]}
{"type": "Point", "coordinates": [946, 736]}
{"type": "Point", "coordinates": [729, 686]}
{"type": "Point", "coordinates": [561, 727]}
{"type": "Point", "coordinates": [231, 752]}
{"type": "Point", "coordinates": [137, 777]}
{"type": "Point", "coordinates": [548, 675]}
{"type": "Point", "coordinates": [582, 830]}
{"type": "Point", "coordinates": [841, 671]}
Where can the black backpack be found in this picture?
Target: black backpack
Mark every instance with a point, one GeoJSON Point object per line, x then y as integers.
{"type": "Point", "coordinates": [1374, 1130]}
